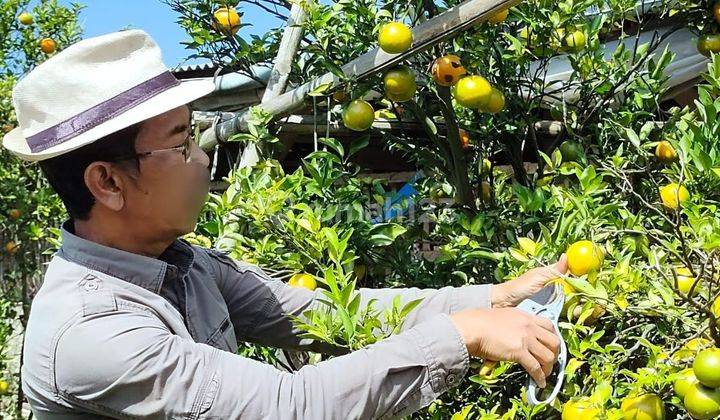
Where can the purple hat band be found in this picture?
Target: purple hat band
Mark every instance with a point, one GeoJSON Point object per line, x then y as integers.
{"type": "Point", "coordinates": [101, 112]}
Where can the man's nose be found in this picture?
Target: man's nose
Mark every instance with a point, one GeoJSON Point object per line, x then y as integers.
{"type": "Point", "coordinates": [198, 155]}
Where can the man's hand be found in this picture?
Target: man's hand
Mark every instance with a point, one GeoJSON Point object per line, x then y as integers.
{"type": "Point", "coordinates": [512, 335]}
{"type": "Point", "coordinates": [511, 293]}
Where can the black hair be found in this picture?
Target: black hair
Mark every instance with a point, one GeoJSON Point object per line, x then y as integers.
{"type": "Point", "coordinates": [66, 173]}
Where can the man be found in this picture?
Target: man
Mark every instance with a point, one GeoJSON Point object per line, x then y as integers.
{"type": "Point", "coordinates": [132, 322]}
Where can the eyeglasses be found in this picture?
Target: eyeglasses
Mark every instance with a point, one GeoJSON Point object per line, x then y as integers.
{"type": "Point", "coordinates": [184, 148]}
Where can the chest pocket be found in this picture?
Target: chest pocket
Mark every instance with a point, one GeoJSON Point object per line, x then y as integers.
{"type": "Point", "coordinates": [223, 337]}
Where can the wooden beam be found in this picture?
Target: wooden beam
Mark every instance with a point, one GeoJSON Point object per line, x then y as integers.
{"type": "Point", "coordinates": [425, 35]}
{"type": "Point", "coordinates": [286, 53]}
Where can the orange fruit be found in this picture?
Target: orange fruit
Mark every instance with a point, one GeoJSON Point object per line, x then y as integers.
{"type": "Point", "coordinates": [4, 386]}
{"type": "Point", "coordinates": [702, 403]}
{"type": "Point", "coordinates": [584, 257]}
{"type": "Point", "coordinates": [464, 139]}
{"type": "Point", "coordinates": [580, 409]}
{"type": "Point", "coordinates": [665, 152]}
{"type": "Point", "coordinates": [685, 280]}
{"type": "Point", "coordinates": [690, 349]}
{"type": "Point", "coordinates": [499, 17]}
{"type": "Point", "coordinates": [14, 214]}
{"type": "Point", "coordinates": [576, 40]}
{"type": "Point", "coordinates": [358, 115]}
{"type": "Point", "coordinates": [673, 195]}
{"type": "Point", "coordinates": [472, 91]}
{"type": "Point", "coordinates": [395, 37]}
{"type": "Point", "coordinates": [707, 367]}
{"type": "Point", "coordinates": [716, 12]}
{"type": "Point", "coordinates": [25, 18]}
{"type": "Point", "coordinates": [682, 384]}
{"type": "Point", "coordinates": [11, 247]}
{"type": "Point", "coordinates": [399, 84]}
{"type": "Point", "coordinates": [226, 20]}
{"type": "Point", "coordinates": [47, 45]}
{"type": "Point", "coordinates": [716, 308]}
{"type": "Point", "coordinates": [447, 70]}
{"type": "Point", "coordinates": [485, 189]}
{"type": "Point", "coordinates": [495, 103]}
{"type": "Point", "coordinates": [571, 151]}
{"type": "Point", "coordinates": [643, 407]}
{"type": "Point", "coordinates": [303, 280]}
{"type": "Point", "coordinates": [708, 43]}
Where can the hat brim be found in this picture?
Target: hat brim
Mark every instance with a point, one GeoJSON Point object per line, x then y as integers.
{"type": "Point", "coordinates": [182, 94]}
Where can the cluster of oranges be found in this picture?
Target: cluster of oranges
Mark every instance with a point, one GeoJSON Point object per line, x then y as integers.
{"type": "Point", "coordinates": [12, 247]}
{"type": "Point", "coordinates": [710, 43]}
{"type": "Point", "coordinates": [399, 83]}
{"type": "Point", "coordinates": [699, 386]}
{"type": "Point", "coordinates": [47, 45]}
{"type": "Point", "coordinates": [673, 194]}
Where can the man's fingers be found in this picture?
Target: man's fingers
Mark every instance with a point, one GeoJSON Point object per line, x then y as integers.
{"type": "Point", "coordinates": [532, 366]}
{"type": "Point", "coordinates": [543, 355]}
{"type": "Point", "coordinates": [549, 339]}
{"type": "Point", "coordinates": [544, 323]}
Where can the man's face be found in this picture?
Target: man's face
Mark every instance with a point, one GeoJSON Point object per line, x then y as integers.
{"type": "Point", "coordinates": [168, 193]}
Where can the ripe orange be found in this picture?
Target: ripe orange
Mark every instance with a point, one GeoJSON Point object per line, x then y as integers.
{"type": "Point", "coordinates": [395, 37]}
{"type": "Point", "coordinates": [580, 409]}
{"type": "Point", "coordinates": [707, 367]}
{"type": "Point", "coordinates": [399, 84]}
{"type": "Point", "coordinates": [472, 91]}
{"type": "Point", "coordinates": [47, 45]}
{"type": "Point", "coordinates": [14, 214]}
{"type": "Point", "coordinates": [499, 17]}
{"type": "Point", "coordinates": [643, 407]}
{"type": "Point", "coordinates": [226, 20]}
{"type": "Point", "coordinates": [11, 247]}
{"type": "Point", "coordinates": [682, 384]}
{"type": "Point", "coordinates": [464, 139]}
{"type": "Point", "coordinates": [702, 403]}
{"type": "Point", "coordinates": [709, 43]}
{"type": "Point", "coordinates": [25, 18]}
{"type": "Point", "coordinates": [716, 12]}
{"type": "Point", "coordinates": [673, 195]}
{"type": "Point", "coordinates": [584, 257]}
{"type": "Point", "coordinates": [447, 70]}
{"type": "Point", "coordinates": [495, 103]}
{"type": "Point", "coordinates": [4, 386]}
{"type": "Point", "coordinates": [665, 152]}
{"type": "Point", "coordinates": [358, 115]}
{"type": "Point", "coordinates": [303, 280]}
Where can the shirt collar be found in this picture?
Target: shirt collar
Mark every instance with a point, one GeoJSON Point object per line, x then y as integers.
{"type": "Point", "coordinates": [140, 270]}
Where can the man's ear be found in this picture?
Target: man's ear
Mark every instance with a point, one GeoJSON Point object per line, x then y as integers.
{"type": "Point", "coordinates": [106, 184]}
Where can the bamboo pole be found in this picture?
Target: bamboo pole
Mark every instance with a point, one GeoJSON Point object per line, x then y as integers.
{"type": "Point", "coordinates": [286, 53]}
{"type": "Point", "coordinates": [425, 35]}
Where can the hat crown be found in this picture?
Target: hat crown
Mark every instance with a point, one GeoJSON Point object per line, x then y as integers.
{"type": "Point", "coordinates": [84, 75]}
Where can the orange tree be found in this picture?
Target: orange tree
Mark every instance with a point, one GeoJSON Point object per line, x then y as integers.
{"type": "Point", "coordinates": [29, 211]}
{"type": "Point", "coordinates": [637, 179]}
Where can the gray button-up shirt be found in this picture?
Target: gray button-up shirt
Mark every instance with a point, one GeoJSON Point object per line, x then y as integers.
{"type": "Point", "coordinates": [113, 334]}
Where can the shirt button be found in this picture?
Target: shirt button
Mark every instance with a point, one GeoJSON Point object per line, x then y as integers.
{"type": "Point", "coordinates": [91, 285]}
{"type": "Point", "coordinates": [451, 378]}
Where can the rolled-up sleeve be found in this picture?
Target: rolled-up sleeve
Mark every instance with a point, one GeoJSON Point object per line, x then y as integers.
{"type": "Point", "coordinates": [127, 364]}
{"type": "Point", "coordinates": [261, 307]}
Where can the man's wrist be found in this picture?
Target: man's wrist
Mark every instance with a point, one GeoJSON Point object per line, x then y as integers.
{"type": "Point", "coordinates": [499, 296]}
